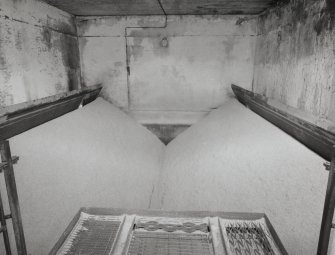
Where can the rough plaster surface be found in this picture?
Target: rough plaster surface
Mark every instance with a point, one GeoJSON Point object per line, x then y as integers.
{"type": "Point", "coordinates": [233, 160]}
{"type": "Point", "coordinates": [39, 53]}
{"type": "Point", "coordinates": [295, 60]}
{"type": "Point", "coordinates": [189, 76]}
{"type": "Point", "coordinates": [95, 156]}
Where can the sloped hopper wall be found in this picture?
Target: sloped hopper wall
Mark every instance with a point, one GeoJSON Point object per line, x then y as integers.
{"type": "Point", "coordinates": [95, 156]}
{"type": "Point", "coordinates": [233, 160]}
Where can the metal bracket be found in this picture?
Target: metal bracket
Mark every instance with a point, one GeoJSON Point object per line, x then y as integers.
{"type": "Point", "coordinates": [8, 216]}
{"type": "Point", "coordinates": [327, 165]}
{"type": "Point", "coordinates": [3, 165]}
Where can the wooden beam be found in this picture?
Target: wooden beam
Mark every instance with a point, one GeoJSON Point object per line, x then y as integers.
{"type": "Point", "coordinates": [314, 137]}
{"type": "Point", "coordinates": [19, 118]}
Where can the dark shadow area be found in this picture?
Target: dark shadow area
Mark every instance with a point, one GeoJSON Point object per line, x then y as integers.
{"type": "Point", "coordinates": [166, 132]}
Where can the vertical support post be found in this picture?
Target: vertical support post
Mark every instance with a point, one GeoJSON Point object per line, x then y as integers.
{"type": "Point", "coordinates": [4, 228]}
{"type": "Point", "coordinates": [328, 210]}
{"type": "Point", "coordinates": [13, 198]}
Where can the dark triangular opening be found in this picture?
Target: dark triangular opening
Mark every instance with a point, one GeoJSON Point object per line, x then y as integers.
{"type": "Point", "coordinates": [166, 132]}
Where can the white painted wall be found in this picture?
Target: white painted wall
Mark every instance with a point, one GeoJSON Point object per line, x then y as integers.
{"type": "Point", "coordinates": [38, 51]}
{"type": "Point", "coordinates": [187, 78]}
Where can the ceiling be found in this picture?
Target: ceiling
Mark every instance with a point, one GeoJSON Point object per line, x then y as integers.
{"type": "Point", "coordinates": [152, 7]}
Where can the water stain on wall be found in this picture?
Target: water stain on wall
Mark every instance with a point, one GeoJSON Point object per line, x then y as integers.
{"type": "Point", "coordinates": [136, 49]}
{"type": "Point", "coordinates": [5, 41]}
{"type": "Point", "coordinates": [229, 46]}
{"type": "Point", "coordinates": [326, 20]}
{"type": "Point", "coordinates": [68, 46]}
{"type": "Point", "coordinates": [293, 63]}
{"type": "Point", "coordinates": [160, 49]}
{"type": "Point", "coordinates": [5, 97]}
{"type": "Point", "coordinates": [19, 40]}
{"type": "Point", "coordinates": [46, 37]}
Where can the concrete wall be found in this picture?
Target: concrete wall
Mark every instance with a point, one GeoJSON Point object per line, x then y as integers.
{"type": "Point", "coordinates": [38, 51]}
{"type": "Point", "coordinates": [175, 83]}
{"type": "Point", "coordinates": [295, 56]}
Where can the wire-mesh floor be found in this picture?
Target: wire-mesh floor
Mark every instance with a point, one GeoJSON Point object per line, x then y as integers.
{"type": "Point", "coordinates": [248, 237]}
{"type": "Point", "coordinates": [92, 236]}
{"type": "Point", "coordinates": [157, 243]}
{"type": "Point", "coordinates": [248, 240]}
{"type": "Point", "coordinates": [159, 234]}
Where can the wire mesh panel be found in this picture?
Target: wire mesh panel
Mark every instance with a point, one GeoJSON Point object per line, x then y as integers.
{"type": "Point", "coordinates": [248, 237]}
{"type": "Point", "coordinates": [157, 243]}
{"type": "Point", "coordinates": [92, 235]}
{"type": "Point", "coordinates": [170, 236]}
{"type": "Point", "coordinates": [158, 233]}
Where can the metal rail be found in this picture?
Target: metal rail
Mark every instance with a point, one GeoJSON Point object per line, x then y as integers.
{"type": "Point", "coordinates": [13, 200]}
{"type": "Point", "coordinates": [328, 210]}
{"type": "Point", "coordinates": [19, 118]}
{"type": "Point", "coordinates": [316, 138]}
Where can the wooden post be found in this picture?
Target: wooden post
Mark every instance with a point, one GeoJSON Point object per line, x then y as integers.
{"type": "Point", "coordinates": [328, 210]}
{"type": "Point", "coordinates": [13, 198]}
{"type": "Point", "coordinates": [4, 228]}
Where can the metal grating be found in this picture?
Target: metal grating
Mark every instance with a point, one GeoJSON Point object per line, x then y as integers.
{"type": "Point", "coordinates": [158, 243]}
{"type": "Point", "coordinates": [248, 239]}
{"type": "Point", "coordinates": [187, 227]}
{"type": "Point", "coordinates": [93, 235]}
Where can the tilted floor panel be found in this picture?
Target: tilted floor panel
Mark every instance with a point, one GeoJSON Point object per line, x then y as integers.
{"type": "Point", "coordinates": [171, 233]}
{"type": "Point", "coordinates": [93, 235]}
{"type": "Point", "coordinates": [248, 237]}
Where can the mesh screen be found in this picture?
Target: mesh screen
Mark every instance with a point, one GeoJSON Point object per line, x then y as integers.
{"type": "Point", "coordinates": [157, 243]}
{"type": "Point", "coordinates": [92, 237]}
{"type": "Point", "coordinates": [248, 239]}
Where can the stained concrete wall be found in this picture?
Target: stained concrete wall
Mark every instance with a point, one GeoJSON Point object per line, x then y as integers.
{"type": "Point", "coordinates": [295, 56]}
{"type": "Point", "coordinates": [38, 51]}
{"type": "Point", "coordinates": [175, 83]}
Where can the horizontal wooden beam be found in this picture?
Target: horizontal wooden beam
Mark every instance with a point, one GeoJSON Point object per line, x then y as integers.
{"type": "Point", "coordinates": [314, 137]}
{"type": "Point", "coordinates": [19, 118]}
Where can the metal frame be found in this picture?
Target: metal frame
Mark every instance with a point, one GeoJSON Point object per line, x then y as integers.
{"type": "Point", "coordinates": [314, 137]}
{"type": "Point", "coordinates": [328, 210]}
{"type": "Point", "coordinates": [318, 139]}
{"type": "Point", "coordinates": [13, 200]}
{"type": "Point", "coordinates": [161, 213]}
{"type": "Point", "coordinates": [19, 118]}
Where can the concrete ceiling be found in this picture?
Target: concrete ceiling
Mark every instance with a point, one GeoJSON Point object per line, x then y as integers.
{"type": "Point", "coordinates": [152, 7]}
